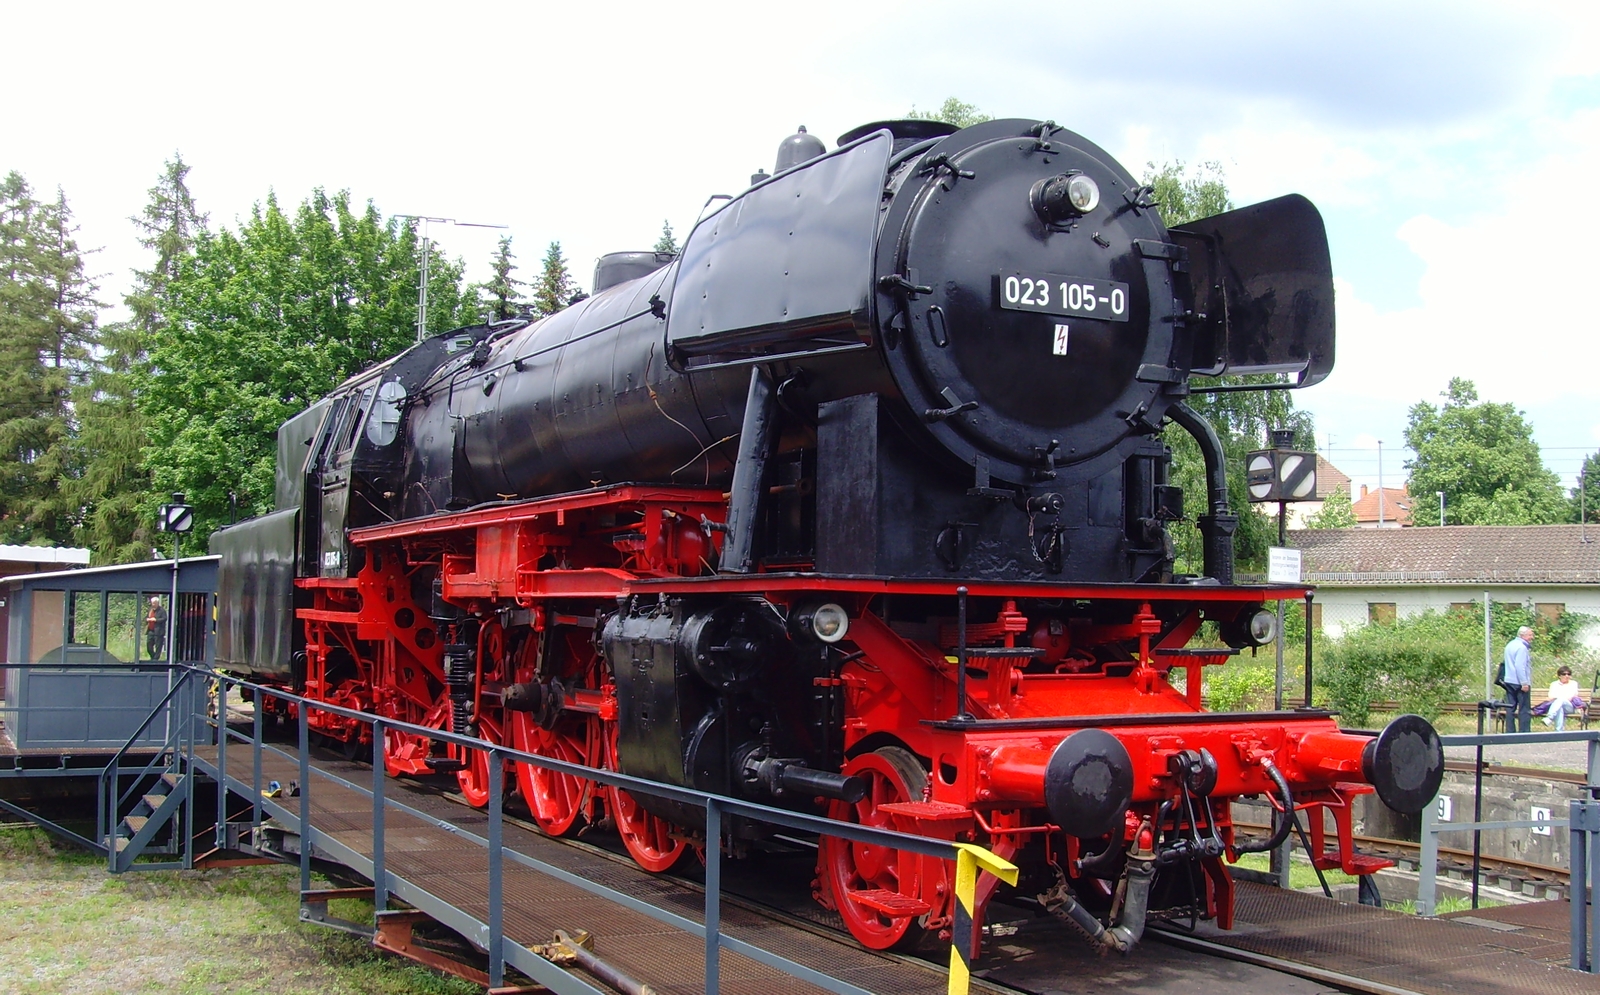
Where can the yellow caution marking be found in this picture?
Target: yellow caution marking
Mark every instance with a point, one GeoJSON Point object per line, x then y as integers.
{"type": "Point", "coordinates": [970, 859]}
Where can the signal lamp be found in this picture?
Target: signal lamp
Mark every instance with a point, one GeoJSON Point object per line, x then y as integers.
{"type": "Point", "coordinates": [1254, 628]}
{"type": "Point", "coordinates": [826, 623]}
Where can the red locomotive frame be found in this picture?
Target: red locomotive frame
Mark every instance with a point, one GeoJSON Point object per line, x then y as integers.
{"type": "Point", "coordinates": [553, 564]}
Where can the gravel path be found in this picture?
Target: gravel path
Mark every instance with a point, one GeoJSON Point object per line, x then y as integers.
{"type": "Point", "coordinates": [1552, 756]}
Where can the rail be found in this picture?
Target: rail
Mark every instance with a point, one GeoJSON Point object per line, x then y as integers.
{"type": "Point", "coordinates": [489, 934]}
{"type": "Point", "coordinates": [1583, 823]}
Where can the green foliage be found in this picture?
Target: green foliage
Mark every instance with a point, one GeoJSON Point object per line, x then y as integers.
{"type": "Point", "coordinates": [48, 332]}
{"type": "Point", "coordinates": [1413, 661]}
{"type": "Point", "coordinates": [1244, 684]}
{"type": "Point", "coordinates": [1561, 636]}
{"type": "Point", "coordinates": [1482, 455]}
{"type": "Point", "coordinates": [115, 490]}
{"type": "Point", "coordinates": [1184, 197]}
{"type": "Point", "coordinates": [555, 288]}
{"type": "Point", "coordinates": [263, 321]}
{"type": "Point", "coordinates": [501, 290]}
{"type": "Point", "coordinates": [667, 242]}
{"type": "Point", "coordinates": [1242, 419]}
{"type": "Point", "coordinates": [1434, 657]}
{"type": "Point", "coordinates": [952, 111]}
{"type": "Point", "coordinates": [1335, 513]}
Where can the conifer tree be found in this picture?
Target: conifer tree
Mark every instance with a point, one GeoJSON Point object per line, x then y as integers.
{"type": "Point", "coordinates": [47, 330]}
{"type": "Point", "coordinates": [667, 242]}
{"type": "Point", "coordinates": [504, 299]}
{"type": "Point", "coordinates": [115, 489]}
{"type": "Point", "coordinates": [555, 288]}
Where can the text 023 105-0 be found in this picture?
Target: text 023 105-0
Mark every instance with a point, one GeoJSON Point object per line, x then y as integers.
{"type": "Point", "coordinates": [1051, 293]}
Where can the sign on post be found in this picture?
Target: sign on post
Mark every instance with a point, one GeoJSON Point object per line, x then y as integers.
{"type": "Point", "coordinates": [1281, 475]}
{"type": "Point", "coordinates": [175, 518]}
{"type": "Point", "coordinates": [1283, 565]}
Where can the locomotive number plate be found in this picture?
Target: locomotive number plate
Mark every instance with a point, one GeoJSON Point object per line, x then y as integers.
{"type": "Point", "coordinates": [1051, 293]}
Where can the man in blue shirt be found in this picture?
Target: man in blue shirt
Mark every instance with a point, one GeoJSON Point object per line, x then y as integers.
{"type": "Point", "coordinates": [1519, 679]}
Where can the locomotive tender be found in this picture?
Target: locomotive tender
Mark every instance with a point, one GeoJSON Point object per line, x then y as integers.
{"type": "Point", "coordinates": [858, 504]}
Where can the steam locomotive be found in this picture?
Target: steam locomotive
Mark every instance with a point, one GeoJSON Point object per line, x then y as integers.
{"type": "Point", "coordinates": [859, 505]}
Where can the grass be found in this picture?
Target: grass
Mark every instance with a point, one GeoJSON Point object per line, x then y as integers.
{"type": "Point", "coordinates": [1302, 875]}
{"type": "Point", "coordinates": [1445, 905]}
{"type": "Point", "coordinates": [67, 925]}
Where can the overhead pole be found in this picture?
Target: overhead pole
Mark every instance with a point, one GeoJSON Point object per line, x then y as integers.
{"type": "Point", "coordinates": [1380, 483]}
{"type": "Point", "coordinates": [422, 283]}
{"type": "Point", "coordinates": [1583, 509]}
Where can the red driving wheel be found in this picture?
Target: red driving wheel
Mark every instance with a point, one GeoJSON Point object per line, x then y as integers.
{"type": "Point", "coordinates": [892, 775]}
{"type": "Point", "coordinates": [555, 799]}
{"type": "Point", "coordinates": [649, 838]}
{"type": "Point", "coordinates": [474, 777]}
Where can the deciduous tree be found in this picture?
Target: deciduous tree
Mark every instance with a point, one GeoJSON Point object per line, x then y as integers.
{"type": "Point", "coordinates": [953, 111]}
{"type": "Point", "coordinates": [263, 321]}
{"type": "Point", "coordinates": [1335, 513]}
{"type": "Point", "coordinates": [1482, 455]}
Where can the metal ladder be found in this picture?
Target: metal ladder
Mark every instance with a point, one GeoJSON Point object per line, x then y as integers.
{"type": "Point", "coordinates": [154, 814]}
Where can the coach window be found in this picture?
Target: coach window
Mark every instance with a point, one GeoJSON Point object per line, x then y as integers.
{"type": "Point", "coordinates": [152, 628]}
{"type": "Point", "coordinates": [1380, 611]}
{"type": "Point", "coordinates": [84, 626]}
{"type": "Point", "coordinates": [47, 623]}
{"type": "Point", "coordinates": [124, 622]}
{"type": "Point", "coordinates": [358, 413]}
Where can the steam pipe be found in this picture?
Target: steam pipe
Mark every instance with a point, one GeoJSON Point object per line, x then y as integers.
{"type": "Point", "coordinates": [1217, 528]}
{"type": "Point", "coordinates": [1281, 832]}
{"type": "Point", "coordinates": [755, 443]}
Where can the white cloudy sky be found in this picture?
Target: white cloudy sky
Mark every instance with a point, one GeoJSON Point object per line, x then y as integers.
{"type": "Point", "coordinates": [1453, 147]}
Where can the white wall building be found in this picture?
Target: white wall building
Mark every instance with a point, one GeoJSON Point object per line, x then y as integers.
{"type": "Point", "coordinates": [1365, 575]}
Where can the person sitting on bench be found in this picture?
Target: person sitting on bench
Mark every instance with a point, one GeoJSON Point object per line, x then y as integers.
{"type": "Point", "coordinates": [1564, 699]}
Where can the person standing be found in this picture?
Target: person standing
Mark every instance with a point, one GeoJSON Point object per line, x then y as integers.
{"type": "Point", "coordinates": [155, 628]}
{"type": "Point", "coordinates": [1519, 680]}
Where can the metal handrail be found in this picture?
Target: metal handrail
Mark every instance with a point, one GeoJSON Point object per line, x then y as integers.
{"type": "Point", "coordinates": [107, 801]}
{"type": "Point", "coordinates": [1583, 824]}
{"type": "Point", "coordinates": [924, 845]}
{"type": "Point", "coordinates": [491, 932]}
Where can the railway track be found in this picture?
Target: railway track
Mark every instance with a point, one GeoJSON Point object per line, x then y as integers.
{"type": "Point", "coordinates": [1449, 857]}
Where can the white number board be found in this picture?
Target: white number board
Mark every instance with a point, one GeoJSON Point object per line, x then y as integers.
{"type": "Point", "coordinates": [1283, 565]}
